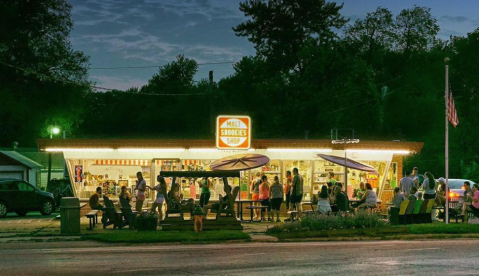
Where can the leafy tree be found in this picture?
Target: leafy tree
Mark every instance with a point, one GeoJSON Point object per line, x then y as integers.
{"type": "Point", "coordinates": [42, 79]}
{"type": "Point", "coordinates": [35, 37]}
{"type": "Point", "coordinates": [175, 77]}
{"type": "Point", "coordinates": [373, 35]}
{"type": "Point", "coordinates": [415, 29]}
{"type": "Point", "coordinates": [280, 28]}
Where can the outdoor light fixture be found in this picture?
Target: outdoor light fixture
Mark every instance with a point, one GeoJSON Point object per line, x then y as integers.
{"type": "Point", "coordinates": [378, 151]}
{"type": "Point", "coordinates": [78, 150]}
{"type": "Point", "coordinates": [54, 131]}
{"type": "Point", "coordinates": [146, 150]}
{"type": "Point", "coordinates": [299, 150]}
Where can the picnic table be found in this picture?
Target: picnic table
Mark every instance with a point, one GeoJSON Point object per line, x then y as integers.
{"type": "Point", "coordinates": [239, 208]}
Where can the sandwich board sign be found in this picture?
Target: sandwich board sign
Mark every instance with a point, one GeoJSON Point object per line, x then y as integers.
{"type": "Point", "coordinates": [233, 132]}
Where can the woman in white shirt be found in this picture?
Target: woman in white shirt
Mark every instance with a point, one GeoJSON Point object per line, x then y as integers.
{"type": "Point", "coordinates": [370, 198]}
{"type": "Point", "coordinates": [324, 206]}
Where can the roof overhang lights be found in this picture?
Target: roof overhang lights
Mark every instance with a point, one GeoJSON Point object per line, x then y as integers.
{"type": "Point", "coordinates": [204, 150]}
{"type": "Point", "coordinates": [148, 150]}
{"type": "Point", "coordinates": [378, 151]}
{"type": "Point", "coordinates": [298, 150]}
{"type": "Point", "coordinates": [78, 150]}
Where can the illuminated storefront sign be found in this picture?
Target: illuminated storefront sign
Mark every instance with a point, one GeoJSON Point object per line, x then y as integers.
{"type": "Point", "coordinates": [233, 132]}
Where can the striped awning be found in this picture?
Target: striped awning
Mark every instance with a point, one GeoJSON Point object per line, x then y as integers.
{"type": "Point", "coordinates": [122, 162]}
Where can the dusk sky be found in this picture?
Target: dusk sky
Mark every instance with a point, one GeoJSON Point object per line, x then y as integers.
{"type": "Point", "coordinates": [152, 32]}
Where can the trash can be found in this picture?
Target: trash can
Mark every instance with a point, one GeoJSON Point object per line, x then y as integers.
{"type": "Point", "coordinates": [70, 215]}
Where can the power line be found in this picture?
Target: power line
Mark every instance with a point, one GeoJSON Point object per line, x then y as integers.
{"type": "Point", "coordinates": [368, 101]}
{"type": "Point", "coordinates": [93, 86]}
{"type": "Point", "coordinates": [156, 66]}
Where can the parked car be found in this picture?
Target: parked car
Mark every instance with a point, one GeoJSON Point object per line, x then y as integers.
{"type": "Point", "coordinates": [21, 197]}
{"type": "Point", "coordinates": [455, 188]}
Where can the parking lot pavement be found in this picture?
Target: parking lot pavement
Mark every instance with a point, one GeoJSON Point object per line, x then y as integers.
{"type": "Point", "coordinates": [33, 222]}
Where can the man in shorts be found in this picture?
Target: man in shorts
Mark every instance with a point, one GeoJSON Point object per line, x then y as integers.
{"type": "Point", "coordinates": [297, 190]}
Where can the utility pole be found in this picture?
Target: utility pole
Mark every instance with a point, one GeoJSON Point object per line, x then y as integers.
{"type": "Point", "coordinates": [446, 98]}
{"type": "Point", "coordinates": [212, 104]}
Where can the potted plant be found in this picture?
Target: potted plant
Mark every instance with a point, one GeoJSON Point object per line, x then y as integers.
{"type": "Point", "coordinates": [147, 221]}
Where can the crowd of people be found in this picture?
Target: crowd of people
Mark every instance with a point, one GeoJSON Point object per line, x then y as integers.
{"type": "Point", "coordinates": [414, 186]}
{"type": "Point", "coordinates": [330, 199]}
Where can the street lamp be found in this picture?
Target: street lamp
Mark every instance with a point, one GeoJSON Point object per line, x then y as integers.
{"type": "Point", "coordinates": [54, 130]}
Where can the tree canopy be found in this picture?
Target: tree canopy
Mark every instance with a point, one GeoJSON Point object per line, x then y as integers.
{"type": "Point", "coordinates": [382, 75]}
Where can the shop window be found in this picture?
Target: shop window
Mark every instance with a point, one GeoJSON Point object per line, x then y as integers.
{"type": "Point", "coordinates": [110, 175]}
{"type": "Point", "coordinates": [196, 165]}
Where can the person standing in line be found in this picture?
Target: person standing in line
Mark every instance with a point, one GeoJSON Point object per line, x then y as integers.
{"type": "Point", "coordinates": [297, 190]}
{"type": "Point", "coordinates": [255, 193]}
{"type": "Point", "coordinates": [332, 179]}
{"type": "Point", "coordinates": [398, 198]}
{"type": "Point", "coordinates": [205, 192]}
{"type": "Point", "coordinates": [141, 187]}
{"type": "Point", "coordinates": [287, 189]}
{"type": "Point", "coordinates": [429, 186]}
{"type": "Point", "coordinates": [160, 196]}
{"type": "Point", "coordinates": [416, 177]}
{"type": "Point", "coordinates": [276, 197]}
{"type": "Point", "coordinates": [405, 184]}
{"type": "Point", "coordinates": [264, 197]}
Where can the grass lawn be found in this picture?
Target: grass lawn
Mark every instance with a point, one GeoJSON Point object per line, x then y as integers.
{"type": "Point", "coordinates": [370, 232]}
{"type": "Point", "coordinates": [168, 236]}
{"type": "Point", "coordinates": [435, 230]}
{"type": "Point", "coordinates": [441, 228]}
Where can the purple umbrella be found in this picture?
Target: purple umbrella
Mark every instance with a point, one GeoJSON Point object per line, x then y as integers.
{"type": "Point", "coordinates": [239, 162]}
{"type": "Point", "coordinates": [348, 163]}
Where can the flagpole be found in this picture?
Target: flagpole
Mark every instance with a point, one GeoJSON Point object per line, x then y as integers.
{"type": "Point", "coordinates": [446, 97]}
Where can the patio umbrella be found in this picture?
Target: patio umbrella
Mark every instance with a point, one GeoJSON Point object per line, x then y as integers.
{"type": "Point", "coordinates": [348, 163]}
{"type": "Point", "coordinates": [239, 162]}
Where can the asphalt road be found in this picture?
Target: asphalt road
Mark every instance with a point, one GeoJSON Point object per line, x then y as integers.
{"type": "Point", "coordinates": [454, 257]}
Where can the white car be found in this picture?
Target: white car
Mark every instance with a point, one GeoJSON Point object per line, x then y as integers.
{"type": "Point", "coordinates": [455, 188]}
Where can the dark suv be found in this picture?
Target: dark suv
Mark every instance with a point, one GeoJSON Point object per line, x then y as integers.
{"type": "Point", "coordinates": [21, 197]}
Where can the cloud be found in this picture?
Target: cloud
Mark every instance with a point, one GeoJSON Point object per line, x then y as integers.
{"type": "Point", "coordinates": [153, 32]}
{"type": "Point", "coordinates": [456, 19]}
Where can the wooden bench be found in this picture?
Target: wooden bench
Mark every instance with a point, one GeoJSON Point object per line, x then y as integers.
{"type": "Point", "coordinates": [93, 217]}
{"type": "Point", "coordinates": [251, 208]}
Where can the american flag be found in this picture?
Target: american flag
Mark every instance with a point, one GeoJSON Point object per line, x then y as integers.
{"type": "Point", "coordinates": [451, 111]}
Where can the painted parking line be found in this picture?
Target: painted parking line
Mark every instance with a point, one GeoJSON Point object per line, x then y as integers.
{"type": "Point", "coordinates": [19, 221]}
{"type": "Point", "coordinates": [39, 220]}
{"type": "Point", "coordinates": [9, 221]}
{"type": "Point", "coordinates": [30, 221]}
